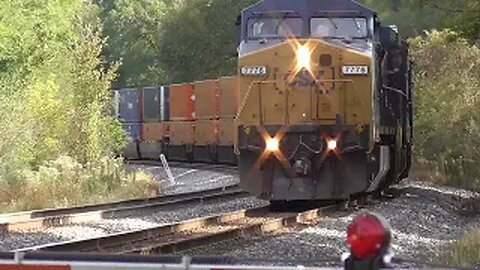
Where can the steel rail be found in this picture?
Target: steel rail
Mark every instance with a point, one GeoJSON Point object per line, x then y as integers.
{"type": "Point", "coordinates": [35, 220]}
{"type": "Point", "coordinates": [188, 234]}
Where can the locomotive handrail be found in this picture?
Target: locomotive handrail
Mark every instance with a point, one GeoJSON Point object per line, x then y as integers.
{"type": "Point", "coordinates": [241, 108]}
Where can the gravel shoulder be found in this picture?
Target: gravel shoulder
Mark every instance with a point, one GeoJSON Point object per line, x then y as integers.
{"type": "Point", "coordinates": [425, 220]}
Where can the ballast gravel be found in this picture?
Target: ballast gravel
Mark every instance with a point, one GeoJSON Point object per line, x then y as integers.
{"type": "Point", "coordinates": [191, 177]}
{"type": "Point", "coordinates": [139, 221]}
{"type": "Point", "coordinates": [425, 220]}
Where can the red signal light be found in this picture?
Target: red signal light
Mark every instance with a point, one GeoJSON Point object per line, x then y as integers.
{"type": "Point", "coordinates": [369, 236]}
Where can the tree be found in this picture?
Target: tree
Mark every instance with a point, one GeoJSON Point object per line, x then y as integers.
{"type": "Point", "coordinates": [459, 15]}
{"type": "Point", "coordinates": [164, 41]}
{"type": "Point", "coordinates": [411, 17]}
{"type": "Point", "coordinates": [201, 40]}
{"type": "Point", "coordinates": [447, 125]}
{"type": "Point", "coordinates": [133, 30]}
{"type": "Point", "coordinates": [55, 81]}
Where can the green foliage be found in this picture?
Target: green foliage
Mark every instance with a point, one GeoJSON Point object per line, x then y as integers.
{"type": "Point", "coordinates": [447, 123]}
{"type": "Point", "coordinates": [55, 95]}
{"type": "Point", "coordinates": [411, 17]}
{"type": "Point", "coordinates": [459, 15]}
{"type": "Point", "coordinates": [134, 30]}
{"type": "Point", "coordinates": [200, 39]}
{"type": "Point", "coordinates": [414, 16]}
{"type": "Point", "coordinates": [61, 100]}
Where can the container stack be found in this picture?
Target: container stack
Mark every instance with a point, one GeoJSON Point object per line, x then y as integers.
{"type": "Point", "coordinates": [228, 106]}
{"type": "Point", "coordinates": [155, 112]}
{"type": "Point", "coordinates": [182, 122]}
{"type": "Point", "coordinates": [206, 120]}
{"type": "Point", "coordinates": [129, 113]}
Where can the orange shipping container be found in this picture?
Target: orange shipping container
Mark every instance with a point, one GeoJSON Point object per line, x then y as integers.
{"type": "Point", "coordinates": [227, 131]}
{"type": "Point", "coordinates": [182, 102]}
{"type": "Point", "coordinates": [153, 131]}
{"type": "Point", "coordinates": [182, 133]}
{"type": "Point", "coordinates": [206, 99]}
{"type": "Point", "coordinates": [206, 132]}
{"type": "Point", "coordinates": [228, 96]}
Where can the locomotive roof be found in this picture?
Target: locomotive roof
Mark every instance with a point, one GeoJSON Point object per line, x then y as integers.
{"type": "Point", "coordinates": [308, 7]}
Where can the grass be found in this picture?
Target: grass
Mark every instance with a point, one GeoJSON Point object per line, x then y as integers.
{"type": "Point", "coordinates": [466, 251]}
{"type": "Point", "coordinates": [435, 172]}
{"type": "Point", "coordinates": [65, 182]}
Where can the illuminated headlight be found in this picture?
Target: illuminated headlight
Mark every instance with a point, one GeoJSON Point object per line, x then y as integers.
{"type": "Point", "coordinates": [303, 58]}
{"type": "Point", "coordinates": [272, 145]}
{"type": "Point", "coordinates": [332, 145]}
{"type": "Point", "coordinates": [254, 70]}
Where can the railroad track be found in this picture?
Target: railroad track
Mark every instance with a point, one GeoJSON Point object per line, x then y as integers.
{"type": "Point", "coordinates": [190, 233]}
{"type": "Point", "coordinates": [36, 220]}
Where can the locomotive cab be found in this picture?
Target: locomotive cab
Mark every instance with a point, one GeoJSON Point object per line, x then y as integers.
{"type": "Point", "coordinates": [311, 118]}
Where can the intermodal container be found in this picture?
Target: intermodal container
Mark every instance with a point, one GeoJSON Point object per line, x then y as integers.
{"type": "Point", "coordinates": [228, 96]}
{"type": "Point", "coordinates": [206, 132]}
{"type": "Point", "coordinates": [226, 131]}
{"type": "Point", "coordinates": [182, 132]}
{"type": "Point", "coordinates": [133, 131]}
{"type": "Point", "coordinates": [129, 105]}
{"type": "Point", "coordinates": [164, 103]}
{"type": "Point", "coordinates": [206, 99]}
{"type": "Point", "coordinates": [151, 104]}
{"type": "Point", "coordinates": [182, 102]}
{"type": "Point", "coordinates": [153, 131]}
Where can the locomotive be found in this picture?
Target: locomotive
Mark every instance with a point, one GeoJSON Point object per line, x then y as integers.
{"type": "Point", "coordinates": [325, 109]}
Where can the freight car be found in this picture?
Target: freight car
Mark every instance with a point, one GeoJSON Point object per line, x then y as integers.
{"type": "Point", "coordinates": [326, 101]}
{"type": "Point", "coordinates": [321, 107]}
{"type": "Point", "coordinates": [188, 122]}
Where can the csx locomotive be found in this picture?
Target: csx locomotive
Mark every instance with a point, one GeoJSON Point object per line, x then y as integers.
{"type": "Point", "coordinates": [326, 101]}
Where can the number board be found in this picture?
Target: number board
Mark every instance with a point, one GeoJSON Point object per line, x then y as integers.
{"type": "Point", "coordinates": [355, 70]}
{"type": "Point", "coordinates": [254, 70]}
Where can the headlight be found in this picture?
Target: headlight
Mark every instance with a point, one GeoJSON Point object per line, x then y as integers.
{"type": "Point", "coordinates": [272, 145]}
{"type": "Point", "coordinates": [303, 58]}
{"type": "Point", "coordinates": [332, 145]}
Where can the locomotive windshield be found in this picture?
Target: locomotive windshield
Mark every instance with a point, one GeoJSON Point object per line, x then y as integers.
{"type": "Point", "coordinates": [338, 27]}
{"type": "Point", "coordinates": [274, 27]}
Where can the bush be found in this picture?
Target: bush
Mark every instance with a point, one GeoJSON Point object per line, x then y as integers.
{"type": "Point", "coordinates": [65, 182]}
{"type": "Point", "coordinates": [447, 98]}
